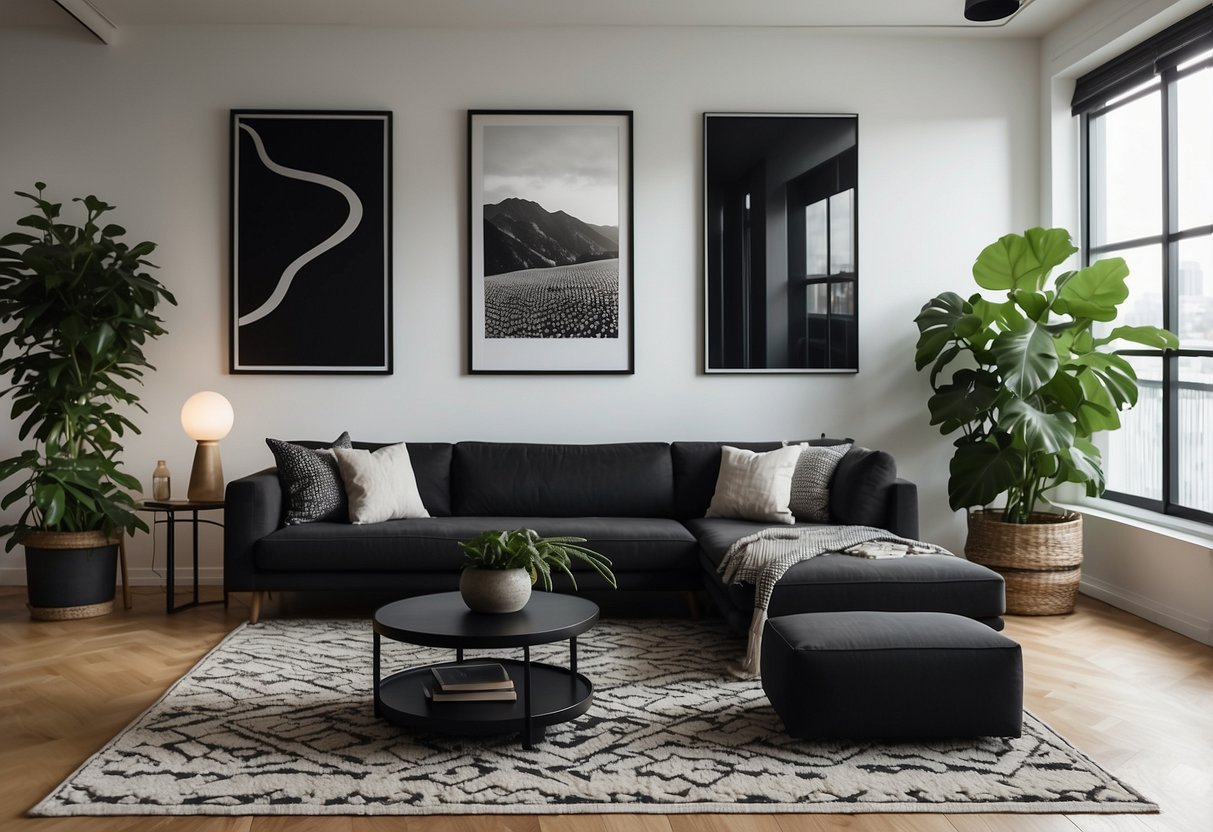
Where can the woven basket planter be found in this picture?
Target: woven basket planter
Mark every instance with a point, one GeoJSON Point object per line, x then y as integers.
{"type": "Point", "coordinates": [70, 575]}
{"type": "Point", "coordinates": [1040, 561]}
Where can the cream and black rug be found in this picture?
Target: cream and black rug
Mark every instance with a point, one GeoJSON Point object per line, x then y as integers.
{"type": "Point", "coordinates": [277, 720]}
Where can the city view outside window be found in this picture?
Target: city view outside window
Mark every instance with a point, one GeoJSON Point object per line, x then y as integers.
{"type": "Point", "coordinates": [1149, 199]}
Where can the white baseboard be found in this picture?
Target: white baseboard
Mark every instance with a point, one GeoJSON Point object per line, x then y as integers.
{"type": "Point", "coordinates": [1151, 609]}
{"type": "Point", "coordinates": [207, 576]}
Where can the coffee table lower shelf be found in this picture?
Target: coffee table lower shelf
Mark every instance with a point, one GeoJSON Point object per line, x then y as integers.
{"type": "Point", "coordinates": [557, 695]}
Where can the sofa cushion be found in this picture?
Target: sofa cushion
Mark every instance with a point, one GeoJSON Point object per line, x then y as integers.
{"type": "Point", "coordinates": [380, 484]}
{"type": "Point", "coordinates": [810, 496]}
{"type": "Point", "coordinates": [696, 466]}
{"type": "Point", "coordinates": [632, 479]}
{"type": "Point", "coordinates": [640, 544]}
{"type": "Point", "coordinates": [717, 534]}
{"type": "Point", "coordinates": [932, 583]}
{"type": "Point", "coordinates": [311, 481]}
{"type": "Point", "coordinates": [859, 492]}
{"type": "Point", "coordinates": [831, 583]}
{"type": "Point", "coordinates": [431, 466]}
{"type": "Point", "coordinates": [755, 486]}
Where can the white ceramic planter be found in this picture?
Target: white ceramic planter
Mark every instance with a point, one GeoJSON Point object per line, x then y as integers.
{"type": "Point", "coordinates": [495, 590]}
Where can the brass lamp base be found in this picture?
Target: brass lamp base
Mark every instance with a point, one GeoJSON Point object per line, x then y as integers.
{"type": "Point", "coordinates": [206, 477]}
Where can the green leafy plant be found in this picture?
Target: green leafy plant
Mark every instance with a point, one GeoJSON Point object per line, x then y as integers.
{"type": "Point", "coordinates": [539, 556]}
{"type": "Point", "coordinates": [76, 306]}
{"type": "Point", "coordinates": [1034, 381]}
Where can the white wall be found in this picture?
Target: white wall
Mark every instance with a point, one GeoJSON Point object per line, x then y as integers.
{"type": "Point", "coordinates": [948, 161]}
{"type": "Point", "coordinates": [1131, 560]}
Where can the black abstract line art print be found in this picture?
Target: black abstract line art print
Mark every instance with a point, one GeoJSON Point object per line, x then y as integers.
{"type": "Point", "coordinates": [311, 244]}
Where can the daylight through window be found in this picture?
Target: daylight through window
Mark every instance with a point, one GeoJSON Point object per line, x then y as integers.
{"type": "Point", "coordinates": [1147, 126]}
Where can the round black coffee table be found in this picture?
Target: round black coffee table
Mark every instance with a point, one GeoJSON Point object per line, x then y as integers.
{"type": "Point", "coordinates": [547, 694]}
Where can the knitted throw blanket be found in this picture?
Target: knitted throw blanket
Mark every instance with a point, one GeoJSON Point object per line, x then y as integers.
{"type": "Point", "coordinates": [762, 559]}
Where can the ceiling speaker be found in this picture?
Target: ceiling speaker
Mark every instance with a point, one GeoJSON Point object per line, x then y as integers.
{"type": "Point", "coordinates": [983, 11]}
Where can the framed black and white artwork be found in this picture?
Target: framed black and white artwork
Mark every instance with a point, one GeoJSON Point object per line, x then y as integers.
{"type": "Point", "coordinates": [550, 252]}
{"type": "Point", "coordinates": [781, 243]}
{"type": "Point", "coordinates": [311, 267]}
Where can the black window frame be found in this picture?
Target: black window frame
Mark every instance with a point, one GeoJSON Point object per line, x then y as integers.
{"type": "Point", "coordinates": [1159, 57]}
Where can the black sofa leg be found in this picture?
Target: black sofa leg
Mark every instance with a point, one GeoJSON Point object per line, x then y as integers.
{"type": "Point", "coordinates": [692, 604]}
{"type": "Point", "coordinates": [254, 612]}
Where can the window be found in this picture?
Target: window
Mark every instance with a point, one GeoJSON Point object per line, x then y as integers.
{"type": "Point", "coordinates": [1147, 127]}
{"type": "Point", "coordinates": [830, 260]}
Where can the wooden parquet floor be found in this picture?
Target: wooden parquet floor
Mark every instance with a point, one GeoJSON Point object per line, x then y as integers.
{"type": "Point", "coordinates": [1133, 696]}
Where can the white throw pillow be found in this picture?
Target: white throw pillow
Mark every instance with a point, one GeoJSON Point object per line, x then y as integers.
{"type": "Point", "coordinates": [753, 486]}
{"type": "Point", "coordinates": [380, 484]}
{"type": "Point", "coordinates": [810, 498]}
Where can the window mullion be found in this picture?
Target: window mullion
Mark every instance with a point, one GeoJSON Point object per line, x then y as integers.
{"type": "Point", "coordinates": [1084, 173]}
{"type": "Point", "coordinates": [1170, 290]}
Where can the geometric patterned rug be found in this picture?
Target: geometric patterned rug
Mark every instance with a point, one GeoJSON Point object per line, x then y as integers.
{"type": "Point", "coordinates": [277, 720]}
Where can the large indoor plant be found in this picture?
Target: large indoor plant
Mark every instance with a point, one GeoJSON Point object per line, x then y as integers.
{"type": "Point", "coordinates": [76, 307]}
{"type": "Point", "coordinates": [500, 567]}
{"type": "Point", "coordinates": [1027, 378]}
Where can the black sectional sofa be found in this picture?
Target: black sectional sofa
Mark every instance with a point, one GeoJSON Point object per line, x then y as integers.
{"type": "Point", "coordinates": [641, 504]}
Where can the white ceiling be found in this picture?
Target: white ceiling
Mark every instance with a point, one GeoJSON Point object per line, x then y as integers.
{"type": "Point", "coordinates": [1033, 20]}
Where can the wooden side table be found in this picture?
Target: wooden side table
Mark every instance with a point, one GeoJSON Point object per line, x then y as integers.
{"type": "Point", "coordinates": [188, 509]}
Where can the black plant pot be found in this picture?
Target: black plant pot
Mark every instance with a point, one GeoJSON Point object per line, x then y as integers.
{"type": "Point", "coordinates": [70, 574]}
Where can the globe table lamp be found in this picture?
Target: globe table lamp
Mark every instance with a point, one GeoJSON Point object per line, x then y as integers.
{"type": "Point", "coordinates": [206, 418]}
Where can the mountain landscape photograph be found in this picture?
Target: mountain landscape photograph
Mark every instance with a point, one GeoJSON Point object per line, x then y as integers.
{"type": "Point", "coordinates": [550, 236]}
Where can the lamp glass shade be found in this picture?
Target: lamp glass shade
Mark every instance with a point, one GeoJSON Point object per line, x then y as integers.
{"type": "Point", "coordinates": [207, 416]}
{"type": "Point", "coordinates": [983, 11]}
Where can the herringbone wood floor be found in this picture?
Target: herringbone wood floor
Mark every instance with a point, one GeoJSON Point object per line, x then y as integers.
{"type": "Point", "coordinates": [1135, 697]}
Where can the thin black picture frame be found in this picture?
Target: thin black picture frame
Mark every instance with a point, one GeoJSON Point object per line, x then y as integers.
{"type": "Point", "coordinates": [332, 310]}
{"type": "Point", "coordinates": [741, 289]}
{"type": "Point", "coordinates": [624, 363]}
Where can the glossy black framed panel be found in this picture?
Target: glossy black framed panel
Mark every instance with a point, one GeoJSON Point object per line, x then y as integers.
{"type": "Point", "coordinates": [311, 245]}
{"type": "Point", "coordinates": [550, 241]}
{"type": "Point", "coordinates": [781, 243]}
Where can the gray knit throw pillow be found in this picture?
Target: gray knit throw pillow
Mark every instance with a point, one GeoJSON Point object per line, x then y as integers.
{"type": "Point", "coordinates": [311, 482]}
{"type": "Point", "coordinates": [810, 500]}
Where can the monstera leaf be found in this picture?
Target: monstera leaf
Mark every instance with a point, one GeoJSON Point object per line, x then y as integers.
{"type": "Point", "coordinates": [1022, 262]}
{"type": "Point", "coordinates": [1038, 430]}
{"type": "Point", "coordinates": [969, 398]}
{"type": "Point", "coordinates": [1095, 291]}
{"type": "Point", "coordinates": [1114, 373]}
{"type": "Point", "coordinates": [982, 471]}
{"type": "Point", "coordinates": [1081, 464]}
{"type": "Point", "coordinates": [937, 323]}
{"type": "Point", "coordinates": [1026, 358]}
{"type": "Point", "coordinates": [1148, 336]}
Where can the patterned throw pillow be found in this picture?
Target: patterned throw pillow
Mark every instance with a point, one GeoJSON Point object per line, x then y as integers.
{"type": "Point", "coordinates": [311, 482]}
{"type": "Point", "coordinates": [810, 498]}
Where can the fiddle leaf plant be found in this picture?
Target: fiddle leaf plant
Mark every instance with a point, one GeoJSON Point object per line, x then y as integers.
{"type": "Point", "coordinates": [76, 308]}
{"type": "Point", "coordinates": [539, 556]}
{"type": "Point", "coordinates": [1024, 375]}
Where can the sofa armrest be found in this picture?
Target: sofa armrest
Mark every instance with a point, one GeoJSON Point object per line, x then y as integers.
{"type": "Point", "coordinates": [902, 508]}
{"type": "Point", "coordinates": [252, 509]}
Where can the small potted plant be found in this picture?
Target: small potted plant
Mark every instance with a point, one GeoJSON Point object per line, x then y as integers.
{"type": "Point", "coordinates": [76, 308]}
{"type": "Point", "coordinates": [500, 567]}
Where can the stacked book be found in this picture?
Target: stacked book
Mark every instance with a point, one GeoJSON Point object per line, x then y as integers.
{"type": "Point", "coordinates": [471, 683]}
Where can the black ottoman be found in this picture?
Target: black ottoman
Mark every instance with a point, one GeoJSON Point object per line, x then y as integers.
{"type": "Point", "coordinates": [892, 675]}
